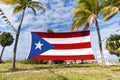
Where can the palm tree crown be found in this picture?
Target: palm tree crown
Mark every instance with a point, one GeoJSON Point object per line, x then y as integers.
{"type": "Point", "coordinates": [22, 4]}
{"type": "Point", "coordinates": [86, 13]}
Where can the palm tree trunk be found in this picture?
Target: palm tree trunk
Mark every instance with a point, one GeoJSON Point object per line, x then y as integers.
{"type": "Point", "coordinates": [50, 62]}
{"type": "Point", "coordinates": [1, 54]}
{"type": "Point", "coordinates": [100, 43]}
{"type": "Point", "coordinates": [16, 41]}
{"type": "Point", "coordinates": [118, 55]}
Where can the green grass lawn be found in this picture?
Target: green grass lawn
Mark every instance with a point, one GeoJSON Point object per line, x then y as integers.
{"type": "Point", "coordinates": [59, 72]}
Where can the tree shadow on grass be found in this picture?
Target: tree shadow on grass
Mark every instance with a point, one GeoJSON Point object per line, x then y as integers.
{"type": "Point", "coordinates": [116, 70]}
{"type": "Point", "coordinates": [54, 66]}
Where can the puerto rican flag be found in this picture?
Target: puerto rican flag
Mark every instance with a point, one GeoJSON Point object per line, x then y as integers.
{"type": "Point", "coordinates": [61, 46]}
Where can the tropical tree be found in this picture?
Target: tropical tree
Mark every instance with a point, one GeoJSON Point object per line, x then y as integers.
{"type": "Point", "coordinates": [113, 45]}
{"type": "Point", "coordinates": [86, 13]}
{"type": "Point", "coordinates": [6, 39]}
{"type": "Point", "coordinates": [22, 5]}
{"type": "Point", "coordinates": [50, 31]}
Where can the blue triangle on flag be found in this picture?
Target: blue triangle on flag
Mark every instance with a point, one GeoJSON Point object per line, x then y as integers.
{"type": "Point", "coordinates": [39, 46]}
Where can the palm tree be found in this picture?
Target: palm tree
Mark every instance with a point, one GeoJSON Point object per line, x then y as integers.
{"type": "Point", "coordinates": [6, 39]}
{"type": "Point", "coordinates": [113, 45]}
{"type": "Point", "coordinates": [22, 5]}
{"type": "Point", "coordinates": [86, 14]}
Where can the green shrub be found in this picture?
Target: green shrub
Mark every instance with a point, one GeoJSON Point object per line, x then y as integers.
{"type": "Point", "coordinates": [35, 61]}
{"type": "Point", "coordinates": [58, 61]}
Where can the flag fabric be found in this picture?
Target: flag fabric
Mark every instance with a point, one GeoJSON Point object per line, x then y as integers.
{"type": "Point", "coordinates": [61, 46]}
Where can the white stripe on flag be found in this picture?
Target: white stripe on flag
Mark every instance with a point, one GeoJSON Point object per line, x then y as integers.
{"type": "Point", "coordinates": [68, 40]}
{"type": "Point", "coordinates": [70, 52]}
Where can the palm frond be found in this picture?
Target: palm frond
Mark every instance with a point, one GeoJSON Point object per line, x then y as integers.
{"type": "Point", "coordinates": [88, 4]}
{"type": "Point", "coordinates": [109, 11]}
{"type": "Point", "coordinates": [86, 26]}
{"type": "Point", "coordinates": [33, 10]}
{"type": "Point", "coordinates": [8, 2]}
{"type": "Point", "coordinates": [115, 2]}
{"type": "Point", "coordinates": [17, 9]}
{"type": "Point", "coordinates": [104, 3]}
{"type": "Point", "coordinates": [78, 23]}
{"type": "Point", "coordinates": [36, 5]}
{"type": "Point", "coordinates": [79, 11]}
{"type": "Point", "coordinates": [110, 17]}
{"type": "Point", "coordinates": [84, 5]}
{"type": "Point", "coordinates": [80, 1]}
{"type": "Point", "coordinates": [36, 2]}
{"type": "Point", "coordinates": [95, 8]}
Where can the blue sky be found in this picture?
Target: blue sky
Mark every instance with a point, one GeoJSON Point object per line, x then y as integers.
{"type": "Point", "coordinates": [58, 17]}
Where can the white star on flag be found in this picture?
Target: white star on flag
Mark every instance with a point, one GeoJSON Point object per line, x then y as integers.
{"type": "Point", "coordinates": [38, 45]}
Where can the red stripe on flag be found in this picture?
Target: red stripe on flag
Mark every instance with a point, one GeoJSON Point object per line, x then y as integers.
{"type": "Point", "coordinates": [72, 46]}
{"type": "Point", "coordinates": [63, 35]}
{"type": "Point", "coordinates": [78, 57]}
